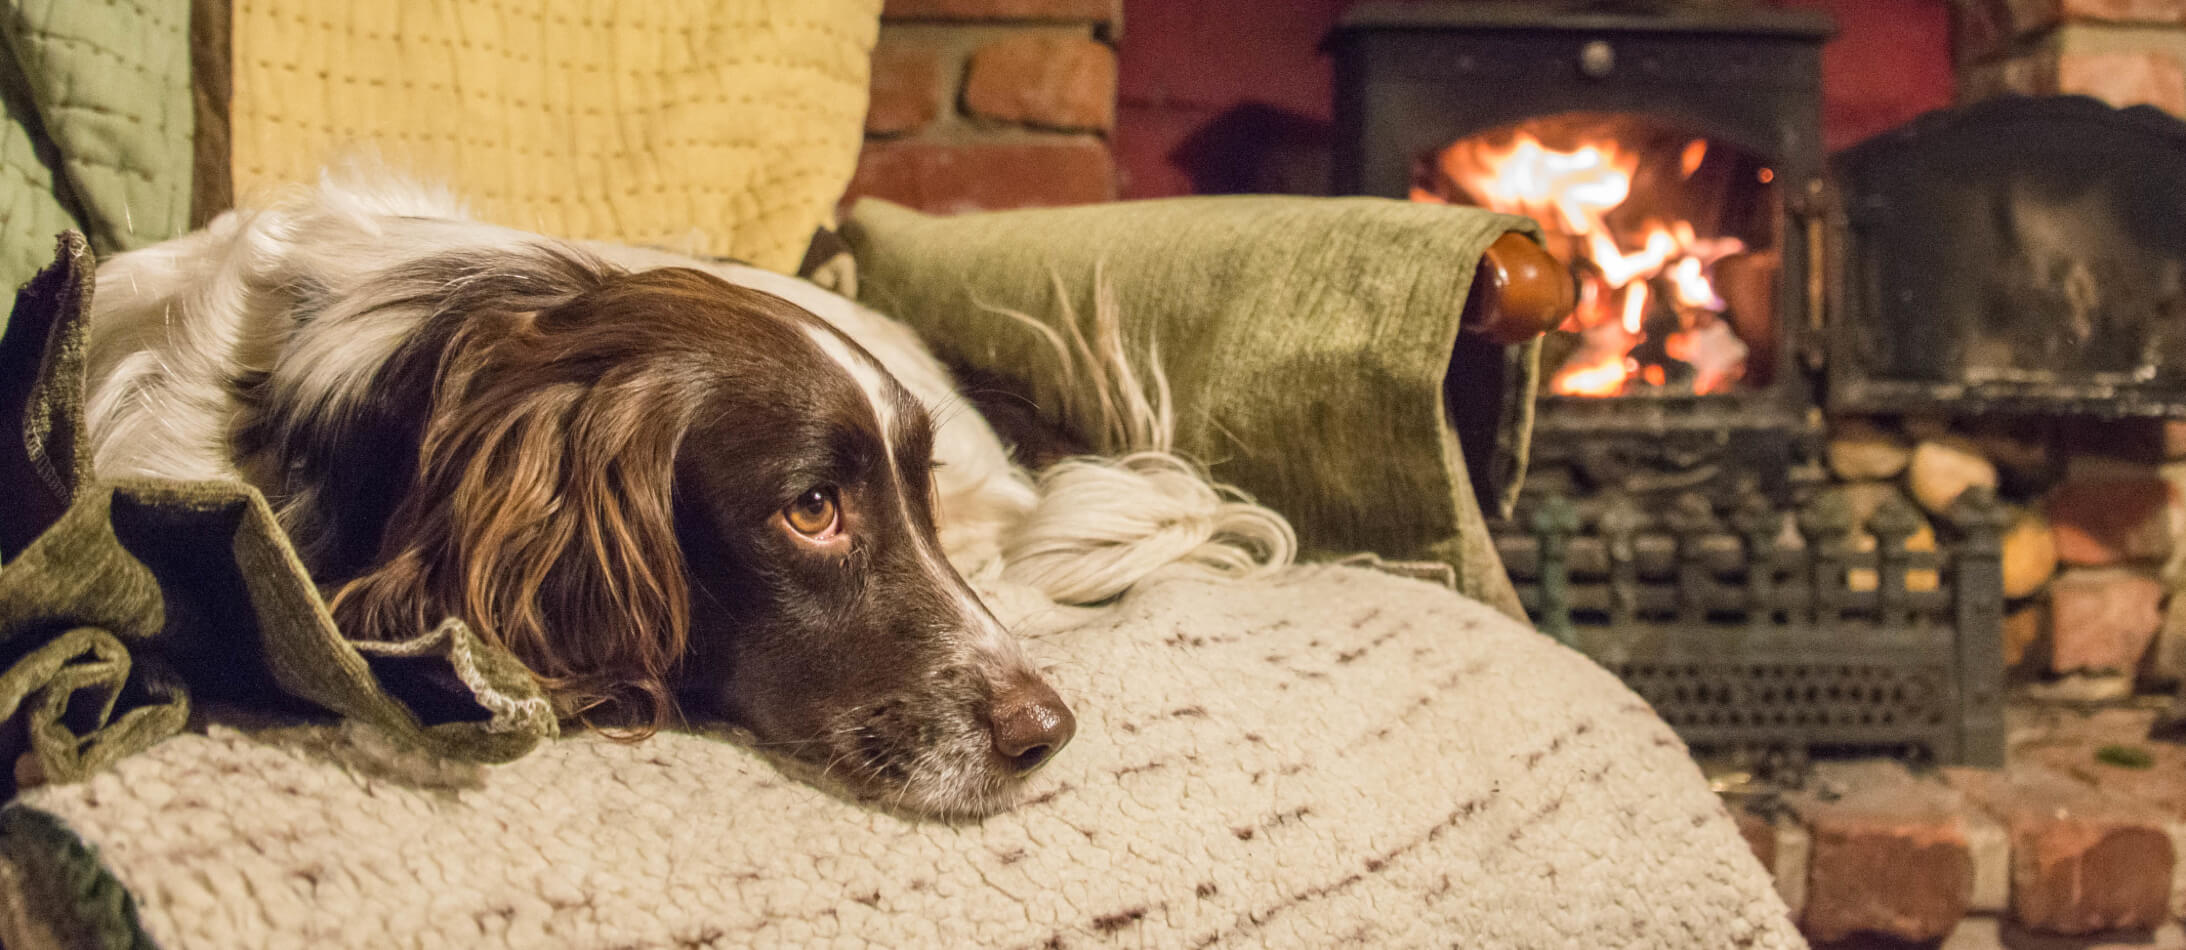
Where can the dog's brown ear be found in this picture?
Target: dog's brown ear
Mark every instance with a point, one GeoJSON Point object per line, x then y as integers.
{"type": "Point", "coordinates": [542, 514]}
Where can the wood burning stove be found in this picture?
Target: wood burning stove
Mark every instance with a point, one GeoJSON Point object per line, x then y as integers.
{"type": "Point", "coordinates": [1670, 527]}
{"type": "Point", "coordinates": [1712, 123]}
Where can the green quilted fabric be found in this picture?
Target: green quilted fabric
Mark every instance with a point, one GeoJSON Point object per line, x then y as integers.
{"type": "Point", "coordinates": [98, 137]}
{"type": "Point", "coordinates": [1308, 344]}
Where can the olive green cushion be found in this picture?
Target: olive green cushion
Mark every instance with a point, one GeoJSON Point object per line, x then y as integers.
{"type": "Point", "coordinates": [1307, 342]}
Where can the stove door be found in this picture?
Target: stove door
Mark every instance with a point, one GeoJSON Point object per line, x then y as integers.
{"type": "Point", "coordinates": [1672, 237]}
{"type": "Point", "coordinates": [2016, 255]}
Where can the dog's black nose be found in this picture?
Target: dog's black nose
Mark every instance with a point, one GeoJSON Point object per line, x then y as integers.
{"type": "Point", "coordinates": [1030, 724]}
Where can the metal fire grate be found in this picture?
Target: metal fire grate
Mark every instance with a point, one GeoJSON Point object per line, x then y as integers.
{"type": "Point", "coordinates": [1765, 702]}
{"type": "Point", "coordinates": [1751, 629]}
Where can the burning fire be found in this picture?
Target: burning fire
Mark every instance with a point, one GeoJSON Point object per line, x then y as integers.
{"type": "Point", "coordinates": [1652, 283]}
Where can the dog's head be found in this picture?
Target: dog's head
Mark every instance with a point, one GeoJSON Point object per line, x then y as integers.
{"type": "Point", "coordinates": [667, 493]}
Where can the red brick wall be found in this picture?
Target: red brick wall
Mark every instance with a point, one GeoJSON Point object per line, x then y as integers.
{"type": "Point", "coordinates": [1193, 113]}
{"type": "Point", "coordinates": [2124, 52]}
{"type": "Point", "coordinates": [1890, 61]}
{"type": "Point", "coordinates": [981, 104]}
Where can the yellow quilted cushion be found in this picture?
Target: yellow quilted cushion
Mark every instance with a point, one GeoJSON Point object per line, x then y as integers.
{"type": "Point", "coordinates": [724, 127]}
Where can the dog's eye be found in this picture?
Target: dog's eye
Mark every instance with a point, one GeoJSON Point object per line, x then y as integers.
{"type": "Point", "coordinates": [814, 514]}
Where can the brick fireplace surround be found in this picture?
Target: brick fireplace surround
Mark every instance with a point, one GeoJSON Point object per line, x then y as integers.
{"type": "Point", "coordinates": [985, 104]}
{"type": "Point", "coordinates": [2081, 840]}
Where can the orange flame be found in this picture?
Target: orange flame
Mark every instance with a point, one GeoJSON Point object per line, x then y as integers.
{"type": "Point", "coordinates": [1604, 377]}
{"type": "Point", "coordinates": [1635, 307]}
{"type": "Point", "coordinates": [1573, 194]}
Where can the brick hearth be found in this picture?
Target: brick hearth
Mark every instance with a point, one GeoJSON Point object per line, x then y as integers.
{"type": "Point", "coordinates": [2075, 843]}
{"type": "Point", "coordinates": [991, 104]}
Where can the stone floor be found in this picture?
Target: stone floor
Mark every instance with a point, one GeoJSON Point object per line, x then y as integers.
{"type": "Point", "coordinates": [2076, 843]}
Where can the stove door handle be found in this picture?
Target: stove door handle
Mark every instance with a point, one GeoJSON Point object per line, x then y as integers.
{"type": "Point", "coordinates": [1519, 292]}
{"type": "Point", "coordinates": [1812, 208]}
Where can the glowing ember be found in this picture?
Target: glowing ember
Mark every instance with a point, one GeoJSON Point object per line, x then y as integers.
{"type": "Point", "coordinates": [1688, 161]}
{"type": "Point", "coordinates": [1649, 279]}
{"type": "Point", "coordinates": [1635, 307]}
{"type": "Point", "coordinates": [1604, 378]}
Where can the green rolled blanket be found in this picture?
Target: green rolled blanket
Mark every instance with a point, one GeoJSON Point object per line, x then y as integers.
{"type": "Point", "coordinates": [1311, 346]}
{"type": "Point", "coordinates": [122, 603]}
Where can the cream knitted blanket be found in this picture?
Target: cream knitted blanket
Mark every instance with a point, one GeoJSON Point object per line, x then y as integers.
{"type": "Point", "coordinates": [1335, 757]}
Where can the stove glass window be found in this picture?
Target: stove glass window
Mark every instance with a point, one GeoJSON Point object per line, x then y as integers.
{"type": "Point", "coordinates": [1672, 235]}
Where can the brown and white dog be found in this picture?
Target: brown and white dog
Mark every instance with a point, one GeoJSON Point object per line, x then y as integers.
{"type": "Point", "coordinates": [670, 487]}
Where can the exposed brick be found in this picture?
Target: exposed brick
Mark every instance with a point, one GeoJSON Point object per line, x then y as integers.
{"type": "Point", "coordinates": [2028, 74]}
{"type": "Point", "coordinates": [1760, 835]}
{"type": "Point", "coordinates": [2102, 619]}
{"type": "Point", "coordinates": [1909, 878]}
{"type": "Point", "coordinates": [2157, 786]}
{"type": "Point", "coordinates": [906, 89]}
{"type": "Point", "coordinates": [988, 176]}
{"type": "Point", "coordinates": [2119, 77]}
{"type": "Point", "coordinates": [1988, 27]}
{"type": "Point", "coordinates": [2085, 857]}
{"type": "Point", "coordinates": [1889, 855]}
{"type": "Point", "coordinates": [2125, 11]}
{"type": "Point", "coordinates": [2125, 78]}
{"type": "Point", "coordinates": [1055, 82]}
{"type": "Point", "coordinates": [2073, 875]}
{"type": "Point", "coordinates": [2167, 655]}
{"type": "Point", "coordinates": [2111, 520]}
{"type": "Point", "coordinates": [2174, 439]}
{"type": "Point", "coordinates": [1096, 11]}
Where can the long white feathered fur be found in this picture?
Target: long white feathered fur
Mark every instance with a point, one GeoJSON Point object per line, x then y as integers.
{"type": "Point", "coordinates": [1107, 520]}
